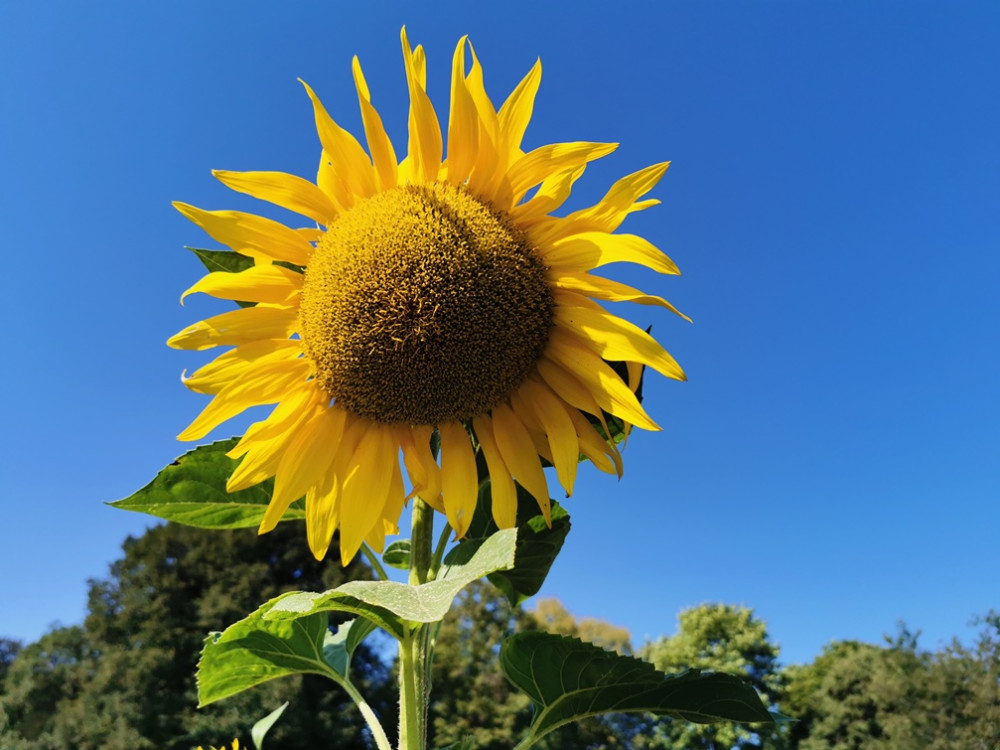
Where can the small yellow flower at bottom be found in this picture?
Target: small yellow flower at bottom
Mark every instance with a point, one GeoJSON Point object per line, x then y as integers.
{"type": "Point", "coordinates": [236, 746]}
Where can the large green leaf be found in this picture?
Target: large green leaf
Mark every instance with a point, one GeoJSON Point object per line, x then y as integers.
{"type": "Point", "coordinates": [537, 543]}
{"type": "Point", "coordinates": [569, 680]}
{"type": "Point", "coordinates": [192, 491]}
{"type": "Point", "coordinates": [392, 605]}
{"type": "Point", "coordinates": [255, 650]}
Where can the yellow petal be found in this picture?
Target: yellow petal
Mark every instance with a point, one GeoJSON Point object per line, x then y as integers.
{"type": "Point", "coordinates": [608, 214]}
{"type": "Point", "coordinates": [250, 235]}
{"type": "Point", "coordinates": [305, 462]}
{"type": "Point", "coordinates": [293, 408]}
{"type": "Point", "coordinates": [588, 250]}
{"type": "Point", "coordinates": [562, 437]}
{"type": "Point", "coordinates": [263, 445]}
{"type": "Point", "coordinates": [567, 386]}
{"type": "Point", "coordinates": [310, 234]}
{"type": "Point", "coordinates": [227, 367]}
{"type": "Point", "coordinates": [383, 154]}
{"type": "Point", "coordinates": [237, 327]}
{"type": "Point", "coordinates": [424, 144]}
{"type": "Point", "coordinates": [285, 190]}
{"type": "Point", "coordinates": [531, 423]}
{"type": "Point", "coordinates": [606, 289]}
{"type": "Point", "coordinates": [263, 385]}
{"type": "Point", "coordinates": [463, 122]}
{"type": "Point", "coordinates": [424, 472]}
{"type": "Point", "coordinates": [393, 508]}
{"type": "Point", "coordinates": [349, 160]}
{"type": "Point", "coordinates": [615, 339]}
{"type": "Point", "coordinates": [502, 488]}
{"type": "Point", "coordinates": [634, 375]}
{"type": "Point", "coordinates": [515, 113]}
{"type": "Point", "coordinates": [322, 513]}
{"type": "Point", "coordinates": [535, 166]}
{"type": "Point", "coordinates": [601, 453]}
{"type": "Point", "coordinates": [610, 392]}
{"type": "Point", "coordinates": [367, 481]}
{"type": "Point", "coordinates": [515, 446]}
{"type": "Point", "coordinates": [490, 164]}
{"type": "Point", "coordinates": [331, 184]}
{"type": "Point", "coordinates": [260, 283]}
{"type": "Point", "coordinates": [459, 480]}
{"type": "Point", "coordinates": [552, 193]}
{"type": "Point", "coordinates": [571, 390]}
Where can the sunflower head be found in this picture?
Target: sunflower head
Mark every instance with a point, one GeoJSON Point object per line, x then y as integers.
{"type": "Point", "coordinates": [430, 294]}
{"type": "Point", "coordinates": [424, 305]}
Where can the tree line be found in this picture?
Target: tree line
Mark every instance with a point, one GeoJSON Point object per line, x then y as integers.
{"type": "Point", "coordinates": [123, 679]}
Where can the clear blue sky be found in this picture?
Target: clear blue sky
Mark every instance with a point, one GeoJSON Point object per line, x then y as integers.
{"type": "Point", "coordinates": [834, 461]}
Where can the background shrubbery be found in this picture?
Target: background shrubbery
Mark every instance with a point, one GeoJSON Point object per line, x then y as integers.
{"type": "Point", "coordinates": [123, 679]}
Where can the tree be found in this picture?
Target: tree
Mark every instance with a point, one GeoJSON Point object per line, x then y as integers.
{"type": "Point", "coordinates": [721, 638]}
{"type": "Point", "coordinates": [552, 616]}
{"type": "Point", "coordinates": [125, 678]}
{"type": "Point", "coordinates": [963, 687]}
{"type": "Point", "coordinates": [858, 696]}
{"type": "Point", "coordinates": [9, 649]}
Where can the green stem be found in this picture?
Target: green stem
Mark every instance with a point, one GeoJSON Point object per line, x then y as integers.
{"type": "Point", "coordinates": [420, 542]}
{"type": "Point", "coordinates": [439, 551]}
{"type": "Point", "coordinates": [413, 652]}
{"type": "Point", "coordinates": [381, 740]}
{"type": "Point", "coordinates": [410, 713]}
{"type": "Point", "coordinates": [374, 561]}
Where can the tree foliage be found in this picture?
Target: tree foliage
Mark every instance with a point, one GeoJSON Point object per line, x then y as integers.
{"type": "Point", "coordinates": [859, 696]}
{"type": "Point", "coordinates": [125, 678]}
{"type": "Point", "coordinates": [720, 638]}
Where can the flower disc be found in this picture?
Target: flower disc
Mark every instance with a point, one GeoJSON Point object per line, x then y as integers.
{"type": "Point", "coordinates": [423, 305]}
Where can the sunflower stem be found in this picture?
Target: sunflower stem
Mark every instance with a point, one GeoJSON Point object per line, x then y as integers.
{"type": "Point", "coordinates": [420, 542]}
{"type": "Point", "coordinates": [414, 669]}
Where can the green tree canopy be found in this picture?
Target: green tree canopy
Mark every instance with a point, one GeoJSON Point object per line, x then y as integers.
{"type": "Point", "coordinates": [720, 638]}
{"type": "Point", "coordinates": [859, 696]}
{"type": "Point", "coordinates": [124, 680]}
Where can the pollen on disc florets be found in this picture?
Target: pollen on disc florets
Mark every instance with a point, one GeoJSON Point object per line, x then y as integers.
{"type": "Point", "coordinates": [422, 305]}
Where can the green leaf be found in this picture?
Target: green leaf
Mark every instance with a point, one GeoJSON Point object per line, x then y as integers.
{"type": "Point", "coordinates": [340, 646]}
{"type": "Point", "coordinates": [192, 491]}
{"type": "Point", "coordinates": [569, 680]}
{"type": "Point", "coordinates": [360, 629]}
{"type": "Point", "coordinates": [222, 260]}
{"type": "Point", "coordinates": [537, 544]}
{"type": "Point", "coordinates": [392, 605]}
{"type": "Point", "coordinates": [397, 554]}
{"type": "Point", "coordinates": [255, 650]}
{"type": "Point", "coordinates": [262, 727]}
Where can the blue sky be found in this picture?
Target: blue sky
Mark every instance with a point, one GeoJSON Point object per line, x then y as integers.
{"type": "Point", "coordinates": [833, 460]}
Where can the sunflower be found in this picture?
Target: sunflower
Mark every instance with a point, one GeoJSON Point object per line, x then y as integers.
{"type": "Point", "coordinates": [433, 294]}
